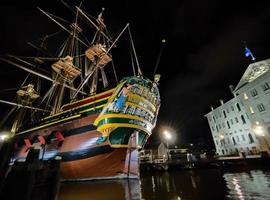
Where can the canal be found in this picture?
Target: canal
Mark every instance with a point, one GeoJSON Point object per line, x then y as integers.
{"type": "Point", "coordinates": [239, 183]}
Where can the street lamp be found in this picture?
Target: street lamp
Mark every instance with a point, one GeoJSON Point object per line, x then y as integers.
{"type": "Point", "coordinates": [167, 136]}
{"type": "Point", "coordinates": [3, 136]}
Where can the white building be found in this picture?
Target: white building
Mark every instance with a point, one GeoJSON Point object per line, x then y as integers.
{"type": "Point", "coordinates": [243, 123]}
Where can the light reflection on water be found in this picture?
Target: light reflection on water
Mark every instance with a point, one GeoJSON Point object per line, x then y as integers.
{"type": "Point", "coordinates": [248, 185]}
{"type": "Point", "coordinates": [176, 185]}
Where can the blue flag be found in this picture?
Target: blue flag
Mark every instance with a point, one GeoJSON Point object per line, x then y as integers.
{"type": "Point", "coordinates": [248, 53]}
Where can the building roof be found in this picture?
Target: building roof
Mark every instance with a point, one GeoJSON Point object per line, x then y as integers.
{"type": "Point", "coordinates": [254, 71]}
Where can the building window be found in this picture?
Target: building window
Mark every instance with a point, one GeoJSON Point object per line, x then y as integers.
{"type": "Point", "coordinates": [228, 111]}
{"type": "Point", "coordinates": [214, 119]}
{"type": "Point", "coordinates": [236, 119]}
{"type": "Point", "coordinates": [245, 96]}
{"type": "Point", "coordinates": [261, 107]}
{"type": "Point", "coordinates": [217, 128]}
{"type": "Point", "coordinates": [228, 140]}
{"type": "Point", "coordinates": [224, 113]}
{"type": "Point", "coordinates": [251, 140]}
{"type": "Point", "coordinates": [234, 142]}
{"type": "Point", "coordinates": [213, 129]}
{"type": "Point", "coordinates": [219, 114]}
{"type": "Point", "coordinates": [238, 107]}
{"type": "Point", "coordinates": [237, 138]}
{"type": "Point", "coordinates": [243, 138]}
{"type": "Point", "coordinates": [265, 86]}
{"type": "Point", "coordinates": [254, 92]}
{"type": "Point", "coordinates": [232, 108]}
{"type": "Point", "coordinates": [223, 125]}
{"type": "Point", "coordinates": [228, 125]}
{"type": "Point", "coordinates": [232, 121]}
{"type": "Point", "coordinates": [243, 119]}
{"type": "Point", "coordinates": [251, 110]}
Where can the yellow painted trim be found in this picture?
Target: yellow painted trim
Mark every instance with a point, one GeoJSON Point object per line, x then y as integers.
{"type": "Point", "coordinates": [94, 102]}
{"type": "Point", "coordinates": [83, 111]}
{"type": "Point", "coordinates": [97, 95]}
{"type": "Point", "coordinates": [120, 115]}
{"type": "Point", "coordinates": [46, 125]}
{"type": "Point", "coordinates": [141, 107]}
{"type": "Point", "coordinates": [77, 108]}
{"type": "Point", "coordinates": [117, 125]}
{"type": "Point", "coordinates": [141, 98]}
{"type": "Point", "coordinates": [119, 145]}
{"type": "Point", "coordinates": [116, 92]}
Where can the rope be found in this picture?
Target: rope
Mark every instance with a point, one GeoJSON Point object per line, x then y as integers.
{"type": "Point", "coordinates": [114, 71]}
{"type": "Point", "coordinates": [159, 56]}
{"type": "Point", "coordinates": [131, 57]}
{"type": "Point", "coordinates": [134, 51]}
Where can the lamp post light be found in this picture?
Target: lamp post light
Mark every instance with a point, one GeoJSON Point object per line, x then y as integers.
{"type": "Point", "coordinates": [259, 131]}
{"type": "Point", "coordinates": [167, 136]}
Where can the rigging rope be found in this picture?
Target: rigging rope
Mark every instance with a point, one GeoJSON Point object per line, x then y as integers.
{"type": "Point", "coordinates": [159, 55]}
{"type": "Point", "coordinates": [134, 51]}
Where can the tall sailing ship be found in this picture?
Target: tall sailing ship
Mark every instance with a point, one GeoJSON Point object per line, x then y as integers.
{"type": "Point", "coordinates": [96, 132]}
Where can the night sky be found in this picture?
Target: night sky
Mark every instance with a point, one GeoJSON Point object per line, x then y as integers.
{"type": "Point", "coordinates": [203, 55]}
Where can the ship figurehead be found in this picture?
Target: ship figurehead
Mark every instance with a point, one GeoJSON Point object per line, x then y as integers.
{"type": "Point", "coordinates": [132, 109]}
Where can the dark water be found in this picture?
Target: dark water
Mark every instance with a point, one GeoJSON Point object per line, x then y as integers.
{"type": "Point", "coordinates": [177, 185]}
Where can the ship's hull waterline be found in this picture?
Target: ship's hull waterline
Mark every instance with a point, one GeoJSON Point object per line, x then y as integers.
{"type": "Point", "coordinates": [82, 158]}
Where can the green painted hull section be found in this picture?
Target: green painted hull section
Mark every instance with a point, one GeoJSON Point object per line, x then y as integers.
{"type": "Point", "coordinates": [122, 135]}
{"type": "Point", "coordinates": [122, 120]}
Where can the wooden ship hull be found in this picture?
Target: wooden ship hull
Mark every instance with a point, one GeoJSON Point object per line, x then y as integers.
{"type": "Point", "coordinates": [94, 140]}
{"type": "Point", "coordinates": [95, 137]}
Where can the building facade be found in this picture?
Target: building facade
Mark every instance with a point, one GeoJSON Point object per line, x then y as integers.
{"type": "Point", "coordinates": [242, 124]}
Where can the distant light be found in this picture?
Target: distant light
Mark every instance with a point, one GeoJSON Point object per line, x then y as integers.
{"type": "Point", "coordinates": [221, 136]}
{"type": "Point", "coordinates": [258, 130]}
{"type": "Point", "coordinates": [251, 110]}
{"type": "Point", "coordinates": [167, 135]}
{"type": "Point", "coordinates": [163, 41]}
{"type": "Point", "coordinates": [245, 96]}
{"type": "Point", "coordinates": [3, 137]}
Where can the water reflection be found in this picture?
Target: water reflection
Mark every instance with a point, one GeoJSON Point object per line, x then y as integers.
{"type": "Point", "coordinates": [101, 190]}
{"type": "Point", "coordinates": [248, 185]}
{"type": "Point", "coordinates": [176, 185]}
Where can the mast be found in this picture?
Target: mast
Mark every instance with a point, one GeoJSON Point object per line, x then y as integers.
{"type": "Point", "coordinates": [26, 95]}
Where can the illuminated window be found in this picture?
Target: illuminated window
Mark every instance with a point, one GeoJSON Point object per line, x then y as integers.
{"type": "Point", "coordinates": [251, 110]}
{"type": "Point", "coordinates": [245, 96]}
